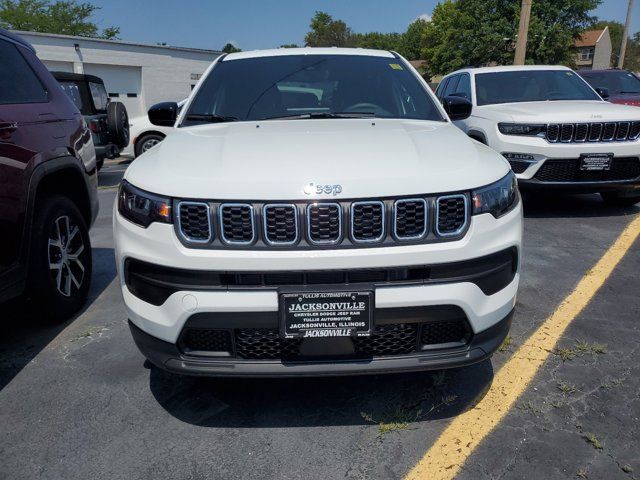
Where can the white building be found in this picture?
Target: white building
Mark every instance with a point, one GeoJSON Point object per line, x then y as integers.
{"type": "Point", "coordinates": [135, 74]}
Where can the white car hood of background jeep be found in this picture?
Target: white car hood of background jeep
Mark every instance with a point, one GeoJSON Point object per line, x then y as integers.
{"type": "Point", "coordinates": [277, 159]}
{"type": "Point", "coordinates": [558, 112]}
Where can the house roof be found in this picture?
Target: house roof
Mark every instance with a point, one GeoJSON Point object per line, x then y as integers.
{"type": "Point", "coordinates": [589, 38]}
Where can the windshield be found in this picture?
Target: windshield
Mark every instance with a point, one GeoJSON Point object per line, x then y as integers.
{"type": "Point", "coordinates": [531, 86]}
{"type": "Point", "coordinates": [309, 86]}
{"type": "Point", "coordinates": [617, 82]}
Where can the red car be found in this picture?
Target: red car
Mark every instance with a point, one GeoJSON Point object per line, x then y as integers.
{"type": "Point", "coordinates": [48, 186]}
{"type": "Point", "coordinates": [623, 85]}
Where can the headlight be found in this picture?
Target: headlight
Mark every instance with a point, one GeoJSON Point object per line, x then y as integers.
{"type": "Point", "coordinates": [498, 198]}
{"type": "Point", "coordinates": [142, 208]}
{"type": "Point", "coordinates": [521, 129]}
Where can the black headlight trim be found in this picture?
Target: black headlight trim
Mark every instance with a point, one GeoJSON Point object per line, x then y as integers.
{"type": "Point", "coordinates": [143, 208]}
{"type": "Point", "coordinates": [490, 198]}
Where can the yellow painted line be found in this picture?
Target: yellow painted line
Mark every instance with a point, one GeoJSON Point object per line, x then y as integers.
{"type": "Point", "coordinates": [447, 455]}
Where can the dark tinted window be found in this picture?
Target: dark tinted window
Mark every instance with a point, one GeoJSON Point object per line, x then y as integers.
{"type": "Point", "coordinates": [464, 86]}
{"type": "Point", "coordinates": [617, 82]}
{"type": "Point", "coordinates": [18, 83]}
{"type": "Point", "coordinates": [441, 87]}
{"type": "Point", "coordinates": [271, 87]}
{"type": "Point", "coordinates": [451, 86]}
{"type": "Point", "coordinates": [531, 86]}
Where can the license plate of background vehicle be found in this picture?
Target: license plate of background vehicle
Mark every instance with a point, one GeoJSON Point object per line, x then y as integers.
{"type": "Point", "coordinates": [326, 314]}
{"type": "Point", "coordinates": [594, 162]}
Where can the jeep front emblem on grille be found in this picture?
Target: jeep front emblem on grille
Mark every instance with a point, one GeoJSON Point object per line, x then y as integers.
{"type": "Point", "coordinates": [322, 189]}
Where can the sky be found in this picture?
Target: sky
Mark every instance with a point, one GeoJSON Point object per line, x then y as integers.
{"type": "Point", "coordinates": [258, 24]}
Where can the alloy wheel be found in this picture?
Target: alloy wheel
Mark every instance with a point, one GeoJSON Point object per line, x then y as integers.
{"type": "Point", "coordinates": [152, 142]}
{"type": "Point", "coordinates": [65, 247]}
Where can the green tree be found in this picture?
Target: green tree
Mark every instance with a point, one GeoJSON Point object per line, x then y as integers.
{"type": "Point", "coordinates": [632, 57]}
{"type": "Point", "coordinates": [412, 41]}
{"type": "Point", "coordinates": [231, 48]}
{"type": "Point", "coordinates": [289, 45]}
{"type": "Point", "coordinates": [327, 32]}
{"type": "Point", "coordinates": [377, 40]}
{"type": "Point", "coordinates": [483, 32]}
{"type": "Point", "coordinates": [67, 17]}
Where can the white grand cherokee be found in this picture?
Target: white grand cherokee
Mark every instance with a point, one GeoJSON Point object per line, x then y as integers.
{"type": "Point", "coordinates": [554, 129]}
{"type": "Point", "coordinates": [316, 212]}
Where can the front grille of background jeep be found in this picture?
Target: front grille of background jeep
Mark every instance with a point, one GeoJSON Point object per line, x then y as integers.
{"type": "Point", "coordinates": [323, 224]}
{"type": "Point", "coordinates": [593, 132]}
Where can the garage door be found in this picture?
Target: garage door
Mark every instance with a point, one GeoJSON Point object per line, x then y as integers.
{"type": "Point", "coordinates": [123, 83]}
{"type": "Point", "coordinates": [54, 66]}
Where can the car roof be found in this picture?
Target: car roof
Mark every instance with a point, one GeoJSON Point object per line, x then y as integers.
{"type": "Point", "coordinates": [76, 77]}
{"type": "Point", "coordinates": [510, 68]}
{"type": "Point", "coordinates": [281, 52]}
{"type": "Point", "coordinates": [12, 37]}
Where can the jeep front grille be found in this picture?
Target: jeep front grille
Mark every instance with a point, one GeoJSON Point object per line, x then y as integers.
{"type": "Point", "coordinates": [593, 132]}
{"type": "Point", "coordinates": [568, 170]}
{"type": "Point", "coordinates": [452, 215]}
{"type": "Point", "coordinates": [322, 224]}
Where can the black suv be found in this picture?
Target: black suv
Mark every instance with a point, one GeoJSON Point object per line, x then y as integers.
{"type": "Point", "coordinates": [108, 121]}
{"type": "Point", "coordinates": [48, 186]}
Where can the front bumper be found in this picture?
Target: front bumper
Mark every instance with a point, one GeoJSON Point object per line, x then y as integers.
{"type": "Point", "coordinates": [168, 356]}
{"type": "Point", "coordinates": [556, 165]}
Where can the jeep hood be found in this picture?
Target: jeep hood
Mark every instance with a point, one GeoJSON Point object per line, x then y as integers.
{"type": "Point", "coordinates": [558, 112]}
{"type": "Point", "coordinates": [277, 159]}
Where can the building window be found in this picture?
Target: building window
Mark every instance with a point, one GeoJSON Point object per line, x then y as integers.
{"type": "Point", "coordinates": [586, 54]}
{"type": "Point", "coordinates": [196, 76]}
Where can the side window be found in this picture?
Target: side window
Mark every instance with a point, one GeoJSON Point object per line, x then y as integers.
{"type": "Point", "coordinates": [441, 88]}
{"type": "Point", "coordinates": [464, 86]}
{"type": "Point", "coordinates": [452, 86]}
{"type": "Point", "coordinates": [28, 89]}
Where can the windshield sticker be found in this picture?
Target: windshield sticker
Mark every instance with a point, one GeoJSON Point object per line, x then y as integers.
{"type": "Point", "coordinates": [396, 66]}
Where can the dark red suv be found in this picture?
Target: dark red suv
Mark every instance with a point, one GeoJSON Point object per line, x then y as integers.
{"type": "Point", "coordinates": [48, 186]}
{"type": "Point", "coordinates": [622, 86]}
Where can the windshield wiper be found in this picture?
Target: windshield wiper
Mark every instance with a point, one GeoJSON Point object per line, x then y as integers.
{"type": "Point", "coordinates": [209, 117]}
{"type": "Point", "coordinates": [304, 116]}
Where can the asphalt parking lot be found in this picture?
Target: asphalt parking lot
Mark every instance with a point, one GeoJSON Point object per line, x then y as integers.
{"type": "Point", "coordinates": [78, 401]}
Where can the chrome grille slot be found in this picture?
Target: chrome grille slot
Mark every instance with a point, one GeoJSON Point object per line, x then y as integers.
{"type": "Point", "coordinates": [194, 222]}
{"type": "Point", "coordinates": [634, 131]}
{"type": "Point", "coordinates": [367, 221]}
{"type": "Point", "coordinates": [595, 132]}
{"type": "Point", "coordinates": [324, 223]}
{"type": "Point", "coordinates": [451, 213]}
{"type": "Point", "coordinates": [237, 223]}
{"type": "Point", "coordinates": [623, 131]}
{"type": "Point", "coordinates": [608, 132]}
{"type": "Point", "coordinates": [566, 132]}
{"type": "Point", "coordinates": [280, 224]}
{"type": "Point", "coordinates": [410, 219]}
{"type": "Point", "coordinates": [553, 133]}
{"type": "Point", "coordinates": [581, 132]}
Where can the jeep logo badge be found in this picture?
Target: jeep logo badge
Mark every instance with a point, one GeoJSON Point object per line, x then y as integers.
{"type": "Point", "coordinates": [322, 189]}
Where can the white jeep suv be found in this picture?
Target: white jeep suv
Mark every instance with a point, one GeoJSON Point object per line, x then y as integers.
{"type": "Point", "coordinates": [316, 212]}
{"type": "Point", "coordinates": [555, 130]}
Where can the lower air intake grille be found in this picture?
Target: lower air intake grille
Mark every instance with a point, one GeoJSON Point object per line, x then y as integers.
{"type": "Point", "coordinates": [410, 218]}
{"type": "Point", "coordinates": [236, 223]}
{"type": "Point", "coordinates": [205, 340]}
{"type": "Point", "coordinates": [452, 214]}
{"type": "Point", "coordinates": [264, 344]}
{"type": "Point", "coordinates": [194, 221]}
{"type": "Point", "coordinates": [556, 170]}
{"type": "Point", "coordinates": [280, 224]}
{"type": "Point", "coordinates": [324, 222]}
{"type": "Point", "coordinates": [367, 221]}
{"type": "Point", "coordinates": [444, 332]}
{"type": "Point", "coordinates": [394, 339]}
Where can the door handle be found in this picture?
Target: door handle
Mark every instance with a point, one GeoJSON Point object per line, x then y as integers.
{"type": "Point", "coordinates": [8, 126]}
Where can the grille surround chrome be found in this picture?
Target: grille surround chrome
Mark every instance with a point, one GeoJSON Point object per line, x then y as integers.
{"type": "Point", "coordinates": [425, 230]}
{"type": "Point", "coordinates": [223, 237]}
{"type": "Point", "coordinates": [209, 218]}
{"type": "Point", "coordinates": [265, 229]}
{"type": "Point", "coordinates": [466, 215]}
{"type": "Point", "coordinates": [383, 220]}
{"type": "Point", "coordinates": [595, 132]}
{"type": "Point", "coordinates": [340, 219]}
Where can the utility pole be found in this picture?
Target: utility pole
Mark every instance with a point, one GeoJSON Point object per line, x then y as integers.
{"type": "Point", "coordinates": [623, 47]}
{"type": "Point", "coordinates": [523, 31]}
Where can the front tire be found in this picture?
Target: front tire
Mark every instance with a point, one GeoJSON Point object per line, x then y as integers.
{"type": "Point", "coordinates": [146, 142]}
{"type": "Point", "coordinates": [60, 259]}
{"type": "Point", "coordinates": [617, 199]}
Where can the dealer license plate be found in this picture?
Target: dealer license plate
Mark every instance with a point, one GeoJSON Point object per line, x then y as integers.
{"type": "Point", "coordinates": [595, 162]}
{"type": "Point", "coordinates": [326, 314]}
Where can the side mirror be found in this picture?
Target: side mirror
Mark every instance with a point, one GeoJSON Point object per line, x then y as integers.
{"type": "Point", "coordinates": [603, 92]}
{"type": "Point", "coordinates": [163, 114]}
{"type": "Point", "coordinates": [458, 108]}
